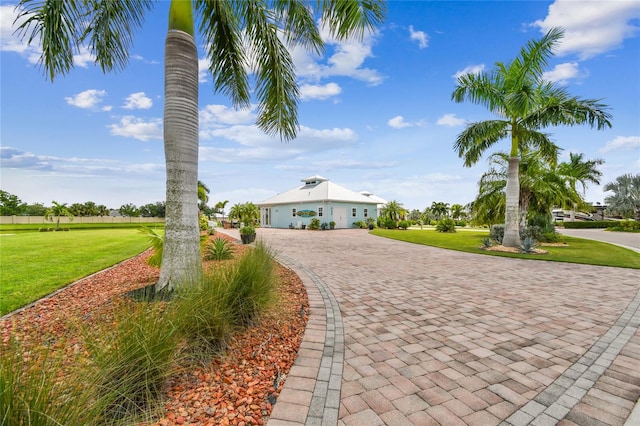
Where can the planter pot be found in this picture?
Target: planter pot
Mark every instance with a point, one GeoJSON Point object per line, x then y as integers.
{"type": "Point", "coordinates": [248, 239]}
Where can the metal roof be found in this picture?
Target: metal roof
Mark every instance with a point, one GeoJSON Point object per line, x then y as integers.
{"type": "Point", "coordinates": [318, 189]}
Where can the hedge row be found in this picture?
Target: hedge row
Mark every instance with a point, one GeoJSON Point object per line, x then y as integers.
{"type": "Point", "coordinates": [592, 224]}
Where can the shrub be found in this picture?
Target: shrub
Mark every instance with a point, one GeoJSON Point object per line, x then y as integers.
{"type": "Point", "coordinates": [626, 226]}
{"type": "Point", "coordinates": [314, 225]}
{"type": "Point", "coordinates": [204, 222]}
{"type": "Point", "coordinates": [389, 223]}
{"type": "Point", "coordinates": [218, 249]}
{"type": "Point", "coordinates": [247, 230]}
{"type": "Point", "coordinates": [461, 223]}
{"type": "Point", "coordinates": [446, 224]}
{"type": "Point", "coordinates": [591, 224]}
{"type": "Point", "coordinates": [496, 232]}
{"type": "Point", "coordinates": [359, 224]}
{"type": "Point", "coordinates": [486, 242]}
{"type": "Point", "coordinates": [403, 224]}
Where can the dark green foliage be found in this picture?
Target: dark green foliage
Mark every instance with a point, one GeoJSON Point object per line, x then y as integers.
{"type": "Point", "coordinates": [360, 224]}
{"type": "Point", "coordinates": [591, 224]}
{"type": "Point", "coordinates": [462, 223]}
{"type": "Point", "coordinates": [446, 224]}
{"type": "Point", "coordinates": [314, 225]}
{"type": "Point", "coordinates": [496, 232]}
{"type": "Point", "coordinates": [218, 249]}
{"type": "Point", "coordinates": [626, 226]}
{"type": "Point", "coordinates": [403, 224]}
{"type": "Point", "coordinates": [486, 242]}
{"type": "Point", "coordinates": [388, 223]}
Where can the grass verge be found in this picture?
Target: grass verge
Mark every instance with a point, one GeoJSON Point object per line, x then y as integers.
{"type": "Point", "coordinates": [577, 250]}
{"type": "Point", "coordinates": [34, 264]}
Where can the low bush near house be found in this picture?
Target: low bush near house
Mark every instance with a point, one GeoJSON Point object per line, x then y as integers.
{"type": "Point", "coordinates": [314, 225]}
{"type": "Point", "coordinates": [446, 224]}
{"type": "Point", "coordinates": [403, 224]}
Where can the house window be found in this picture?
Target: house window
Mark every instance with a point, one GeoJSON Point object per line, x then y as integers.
{"type": "Point", "coordinates": [353, 212]}
{"type": "Point", "coordinates": [320, 212]}
{"type": "Point", "coordinates": [293, 212]}
{"type": "Point", "coordinates": [366, 212]}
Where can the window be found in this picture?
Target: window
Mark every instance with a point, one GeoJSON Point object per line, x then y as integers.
{"type": "Point", "coordinates": [320, 212]}
{"type": "Point", "coordinates": [366, 212]}
{"type": "Point", "coordinates": [353, 212]}
{"type": "Point", "coordinates": [293, 212]}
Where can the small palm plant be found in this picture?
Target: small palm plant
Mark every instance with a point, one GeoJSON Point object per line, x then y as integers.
{"type": "Point", "coordinates": [529, 245]}
{"type": "Point", "coordinates": [218, 249]}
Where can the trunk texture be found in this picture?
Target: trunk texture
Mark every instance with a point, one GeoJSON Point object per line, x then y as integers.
{"type": "Point", "coordinates": [512, 216]}
{"type": "Point", "coordinates": [181, 260]}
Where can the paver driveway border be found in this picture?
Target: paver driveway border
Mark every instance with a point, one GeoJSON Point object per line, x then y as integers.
{"type": "Point", "coordinates": [564, 369]}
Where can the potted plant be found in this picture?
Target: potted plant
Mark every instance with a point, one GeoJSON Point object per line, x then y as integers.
{"type": "Point", "coordinates": [247, 234]}
{"type": "Point", "coordinates": [332, 225]}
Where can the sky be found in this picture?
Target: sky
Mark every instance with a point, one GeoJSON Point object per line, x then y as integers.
{"type": "Point", "coordinates": [375, 114]}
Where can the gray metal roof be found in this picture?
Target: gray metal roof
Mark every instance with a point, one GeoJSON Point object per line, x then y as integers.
{"type": "Point", "coordinates": [317, 189]}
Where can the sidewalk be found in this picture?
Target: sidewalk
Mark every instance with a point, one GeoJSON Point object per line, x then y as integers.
{"type": "Point", "coordinates": [420, 336]}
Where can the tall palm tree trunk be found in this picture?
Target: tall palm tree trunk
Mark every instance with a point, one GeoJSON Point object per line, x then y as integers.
{"type": "Point", "coordinates": [512, 218]}
{"type": "Point", "coordinates": [181, 261]}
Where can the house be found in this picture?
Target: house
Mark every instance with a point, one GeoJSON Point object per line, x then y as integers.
{"type": "Point", "coordinates": [317, 198]}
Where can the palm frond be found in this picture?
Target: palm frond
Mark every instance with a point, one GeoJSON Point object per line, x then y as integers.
{"type": "Point", "coordinates": [110, 29]}
{"type": "Point", "coordinates": [477, 137]}
{"type": "Point", "coordinates": [220, 25]}
{"type": "Point", "coordinates": [52, 24]}
{"type": "Point", "coordinates": [352, 18]}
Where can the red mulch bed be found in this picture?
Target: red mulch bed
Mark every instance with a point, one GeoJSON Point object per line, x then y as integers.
{"type": "Point", "coordinates": [237, 388]}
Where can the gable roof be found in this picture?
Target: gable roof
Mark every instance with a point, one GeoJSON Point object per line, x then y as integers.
{"type": "Point", "coordinates": [317, 189]}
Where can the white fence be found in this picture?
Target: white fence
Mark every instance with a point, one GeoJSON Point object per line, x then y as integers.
{"type": "Point", "coordinates": [13, 220]}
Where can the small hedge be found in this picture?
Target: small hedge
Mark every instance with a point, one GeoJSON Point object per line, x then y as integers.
{"type": "Point", "coordinates": [592, 224]}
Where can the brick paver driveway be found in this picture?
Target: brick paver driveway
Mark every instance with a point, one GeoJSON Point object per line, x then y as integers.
{"type": "Point", "coordinates": [434, 336]}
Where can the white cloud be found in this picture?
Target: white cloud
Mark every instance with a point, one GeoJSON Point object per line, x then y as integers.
{"type": "Point", "coordinates": [203, 69]}
{"type": "Point", "coordinates": [420, 36]}
{"type": "Point", "coordinates": [450, 120]}
{"type": "Point", "coordinates": [216, 116]}
{"type": "Point", "coordinates": [562, 73]}
{"type": "Point", "coordinates": [591, 27]}
{"type": "Point", "coordinates": [354, 164]}
{"type": "Point", "coordinates": [311, 91]}
{"type": "Point", "coordinates": [471, 69]}
{"type": "Point", "coordinates": [89, 99]}
{"type": "Point", "coordinates": [346, 60]}
{"type": "Point", "coordinates": [622, 143]}
{"type": "Point", "coordinates": [137, 128]}
{"type": "Point", "coordinates": [398, 122]}
{"type": "Point", "coordinates": [137, 101]}
{"type": "Point", "coordinates": [9, 41]}
{"type": "Point", "coordinates": [83, 57]}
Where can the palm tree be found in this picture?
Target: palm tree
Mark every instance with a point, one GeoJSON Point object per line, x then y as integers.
{"type": "Point", "coordinates": [203, 195]}
{"type": "Point", "coordinates": [240, 36]}
{"type": "Point", "coordinates": [439, 209]}
{"type": "Point", "coordinates": [219, 208]}
{"type": "Point", "coordinates": [524, 103]}
{"type": "Point", "coordinates": [626, 198]}
{"type": "Point", "coordinates": [580, 171]}
{"type": "Point", "coordinates": [457, 211]}
{"type": "Point", "coordinates": [393, 210]}
{"type": "Point", "coordinates": [56, 211]}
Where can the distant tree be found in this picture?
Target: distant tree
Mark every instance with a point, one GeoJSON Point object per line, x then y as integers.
{"type": "Point", "coordinates": [427, 215]}
{"type": "Point", "coordinates": [102, 210]}
{"type": "Point", "coordinates": [247, 213]}
{"type": "Point", "coordinates": [56, 211]}
{"type": "Point", "coordinates": [393, 210]}
{"type": "Point", "coordinates": [524, 103]}
{"type": "Point", "coordinates": [625, 200]}
{"type": "Point", "coordinates": [458, 211]}
{"type": "Point", "coordinates": [153, 209]}
{"type": "Point", "coordinates": [77, 209]}
{"type": "Point", "coordinates": [219, 207]}
{"type": "Point", "coordinates": [440, 209]}
{"type": "Point", "coordinates": [36, 209]}
{"type": "Point", "coordinates": [415, 214]}
{"type": "Point", "coordinates": [129, 210]}
{"type": "Point", "coordinates": [11, 205]}
{"type": "Point", "coordinates": [203, 196]}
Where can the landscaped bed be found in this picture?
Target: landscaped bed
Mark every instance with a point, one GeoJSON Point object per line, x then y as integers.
{"type": "Point", "coordinates": [237, 387]}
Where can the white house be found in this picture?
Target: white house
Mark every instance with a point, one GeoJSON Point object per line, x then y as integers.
{"type": "Point", "coordinates": [317, 198]}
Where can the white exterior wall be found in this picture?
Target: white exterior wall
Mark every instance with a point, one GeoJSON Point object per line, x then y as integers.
{"type": "Point", "coordinates": [282, 214]}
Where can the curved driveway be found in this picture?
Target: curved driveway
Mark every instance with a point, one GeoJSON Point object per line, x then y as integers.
{"type": "Point", "coordinates": [404, 334]}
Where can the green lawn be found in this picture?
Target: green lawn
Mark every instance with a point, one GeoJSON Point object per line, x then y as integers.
{"type": "Point", "coordinates": [34, 264]}
{"type": "Point", "coordinates": [578, 250]}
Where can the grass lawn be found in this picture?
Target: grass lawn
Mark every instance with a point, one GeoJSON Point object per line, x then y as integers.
{"type": "Point", "coordinates": [579, 250]}
{"type": "Point", "coordinates": [34, 264]}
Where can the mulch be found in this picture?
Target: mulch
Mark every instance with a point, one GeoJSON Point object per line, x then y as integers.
{"type": "Point", "coordinates": [237, 388]}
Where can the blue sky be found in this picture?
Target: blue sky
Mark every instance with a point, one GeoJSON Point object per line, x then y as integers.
{"type": "Point", "coordinates": [375, 115]}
